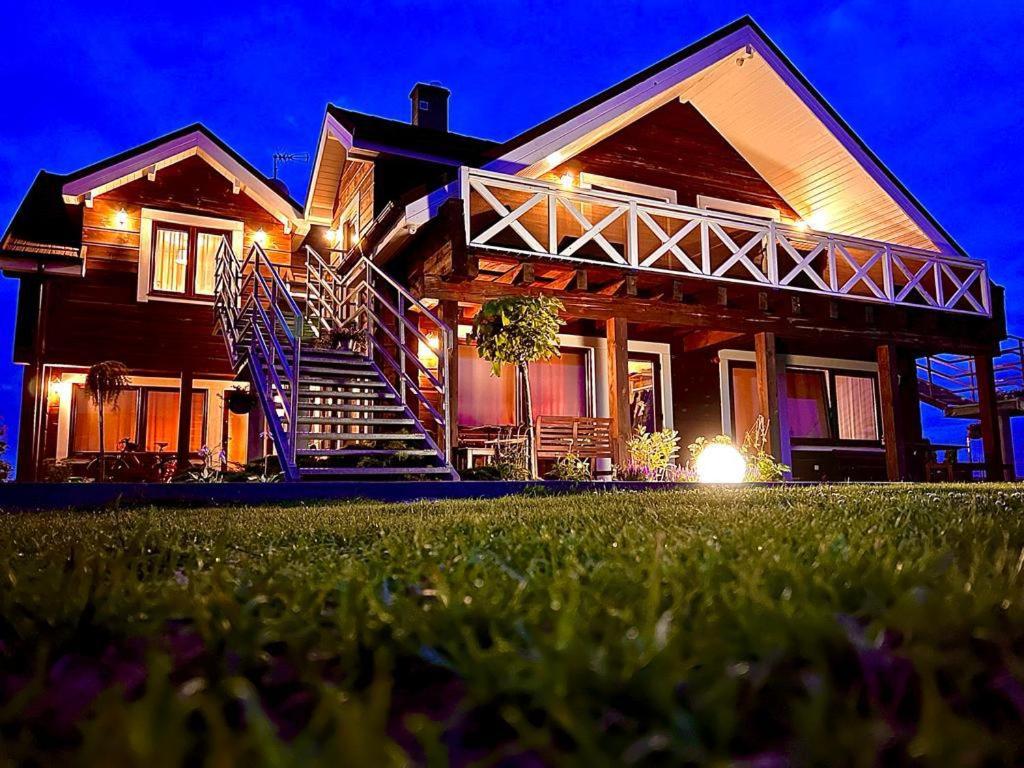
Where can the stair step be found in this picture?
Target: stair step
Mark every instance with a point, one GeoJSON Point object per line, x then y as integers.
{"type": "Point", "coordinates": [342, 381]}
{"type": "Point", "coordinates": [339, 437]}
{"type": "Point", "coordinates": [350, 394]}
{"type": "Point", "coordinates": [365, 471]}
{"type": "Point", "coordinates": [356, 422]}
{"type": "Point", "coordinates": [306, 372]}
{"type": "Point", "coordinates": [332, 357]}
{"type": "Point", "coordinates": [365, 452]}
{"type": "Point", "coordinates": [304, 406]}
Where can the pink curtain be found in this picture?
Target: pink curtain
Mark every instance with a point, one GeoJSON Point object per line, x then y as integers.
{"type": "Point", "coordinates": [806, 404]}
{"type": "Point", "coordinates": [484, 400]}
{"type": "Point", "coordinates": [559, 385]}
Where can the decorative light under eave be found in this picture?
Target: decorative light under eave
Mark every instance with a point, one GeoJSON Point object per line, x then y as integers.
{"type": "Point", "coordinates": [720, 463]}
{"type": "Point", "coordinates": [260, 238]}
{"type": "Point", "coordinates": [332, 236]}
{"type": "Point", "coordinates": [121, 219]}
{"type": "Point", "coordinates": [567, 180]}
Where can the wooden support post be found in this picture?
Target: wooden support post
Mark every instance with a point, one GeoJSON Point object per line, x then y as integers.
{"type": "Point", "coordinates": [988, 413]}
{"type": "Point", "coordinates": [448, 312]}
{"type": "Point", "coordinates": [184, 420]}
{"type": "Point", "coordinates": [618, 385]}
{"type": "Point", "coordinates": [580, 281]}
{"type": "Point", "coordinates": [723, 296]}
{"type": "Point", "coordinates": [892, 416]}
{"type": "Point", "coordinates": [767, 373]}
{"type": "Point", "coordinates": [678, 291]}
{"type": "Point", "coordinates": [630, 285]}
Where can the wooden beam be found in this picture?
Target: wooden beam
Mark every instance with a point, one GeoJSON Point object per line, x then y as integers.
{"type": "Point", "coordinates": [723, 296]}
{"type": "Point", "coordinates": [892, 417]}
{"type": "Point", "coordinates": [767, 374]}
{"type": "Point", "coordinates": [707, 338]}
{"type": "Point", "coordinates": [988, 413]}
{"type": "Point", "coordinates": [679, 292]}
{"type": "Point", "coordinates": [618, 385]}
{"type": "Point", "coordinates": [597, 305]}
{"type": "Point", "coordinates": [184, 420]}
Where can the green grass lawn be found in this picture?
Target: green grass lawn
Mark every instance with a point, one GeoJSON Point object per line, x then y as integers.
{"type": "Point", "coordinates": [761, 627]}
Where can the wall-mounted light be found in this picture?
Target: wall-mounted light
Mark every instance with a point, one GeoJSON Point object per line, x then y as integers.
{"type": "Point", "coordinates": [427, 351]}
{"type": "Point", "coordinates": [260, 238]}
{"type": "Point", "coordinates": [567, 180]}
{"type": "Point", "coordinates": [818, 220]}
{"type": "Point", "coordinates": [332, 236]}
{"type": "Point", "coordinates": [121, 218]}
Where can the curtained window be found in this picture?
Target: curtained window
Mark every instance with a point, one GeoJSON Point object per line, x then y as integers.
{"type": "Point", "coordinates": [184, 259]}
{"type": "Point", "coordinates": [856, 407]}
{"type": "Point", "coordinates": [160, 429]}
{"type": "Point", "coordinates": [559, 385]}
{"type": "Point", "coordinates": [484, 400]}
{"type": "Point", "coordinates": [120, 420]}
{"type": "Point", "coordinates": [807, 404]}
{"type": "Point", "coordinates": [237, 437]}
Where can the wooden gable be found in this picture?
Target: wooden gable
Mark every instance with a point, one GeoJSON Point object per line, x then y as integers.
{"type": "Point", "coordinates": [676, 148]}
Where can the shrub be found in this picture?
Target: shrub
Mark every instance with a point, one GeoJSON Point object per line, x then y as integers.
{"type": "Point", "coordinates": [651, 456]}
{"type": "Point", "coordinates": [762, 467]}
{"type": "Point", "coordinates": [571, 467]}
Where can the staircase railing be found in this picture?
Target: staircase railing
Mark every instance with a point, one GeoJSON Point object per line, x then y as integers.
{"type": "Point", "coordinates": [263, 327]}
{"type": "Point", "coordinates": [367, 299]}
{"type": "Point", "coordinates": [955, 376]}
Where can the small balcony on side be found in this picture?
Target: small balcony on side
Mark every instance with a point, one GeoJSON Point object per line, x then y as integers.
{"type": "Point", "coordinates": [536, 219]}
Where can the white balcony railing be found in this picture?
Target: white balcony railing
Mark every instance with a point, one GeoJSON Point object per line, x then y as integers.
{"type": "Point", "coordinates": [586, 227]}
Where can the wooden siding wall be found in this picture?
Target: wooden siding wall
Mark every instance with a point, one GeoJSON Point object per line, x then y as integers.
{"type": "Point", "coordinates": [99, 317]}
{"type": "Point", "coordinates": [356, 179]}
{"type": "Point", "coordinates": [676, 148]}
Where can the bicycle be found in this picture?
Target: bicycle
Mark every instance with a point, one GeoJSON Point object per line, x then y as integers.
{"type": "Point", "coordinates": [130, 465]}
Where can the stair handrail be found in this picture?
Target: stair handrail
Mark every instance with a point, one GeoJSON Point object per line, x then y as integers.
{"type": "Point", "coordinates": [355, 299]}
{"type": "Point", "coordinates": [957, 374]}
{"type": "Point", "coordinates": [253, 296]}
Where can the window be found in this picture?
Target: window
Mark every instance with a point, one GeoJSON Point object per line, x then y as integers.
{"type": "Point", "coordinates": [709, 203]}
{"type": "Point", "coordinates": [147, 416]}
{"type": "Point", "coordinates": [183, 260]}
{"type": "Point", "coordinates": [621, 186]}
{"type": "Point", "coordinates": [856, 407]}
{"type": "Point", "coordinates": [559, 385]}
{"type": "Point", "coordinates": [743, 393]}
{"type": "Point", "coordinates": [120, 420]}
{"type": "Point", "coordinates": [645, 392]}
{"type": "Point", "coordinates": [807, 404]}
{"type": "Point", "coordinates": [821, 406]}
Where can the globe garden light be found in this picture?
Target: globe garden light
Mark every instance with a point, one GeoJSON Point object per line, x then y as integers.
{"type": "Point", "coordinates": [720, 463]}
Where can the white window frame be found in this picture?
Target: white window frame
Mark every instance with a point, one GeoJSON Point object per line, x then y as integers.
{"type": "Point", "coordinates": [709, 203]}
{"type": "Point", "coordinates": [664, 194]}
{"type": "Point", "coordinates": [152, 216]}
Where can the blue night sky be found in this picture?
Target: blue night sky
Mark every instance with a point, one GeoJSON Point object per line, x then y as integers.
{"type": "Point", "coordinates": [934, 88]}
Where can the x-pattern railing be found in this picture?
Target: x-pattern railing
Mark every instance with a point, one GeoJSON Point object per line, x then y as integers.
{"type": "Point", "coordinates": [537, 218]}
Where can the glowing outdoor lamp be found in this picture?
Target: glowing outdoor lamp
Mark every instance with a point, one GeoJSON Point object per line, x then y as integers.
{"type": "Point", "coordinates": [332, 236]}
{"type": "Point", "coordinates": [260, 238]}
{"type": "Point", "coordinates": [121, 219]}
{"type": "Point", "coordinates": [567, 179]}
{"type": "Point", "coordinates": [427, 351]}
{"type": "Point", "coordinates": [720, 463]}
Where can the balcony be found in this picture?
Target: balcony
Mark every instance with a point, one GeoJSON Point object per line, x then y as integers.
{"type": "Point", "coordinates": [526, 217]}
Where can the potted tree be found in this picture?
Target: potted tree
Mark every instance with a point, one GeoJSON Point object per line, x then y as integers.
{"type": "Point", "coordinates": [104, 383]}
{"type": "Point", "coordinates": [519, 330]}
{"type": "Point", "coordinates": [343, 337]}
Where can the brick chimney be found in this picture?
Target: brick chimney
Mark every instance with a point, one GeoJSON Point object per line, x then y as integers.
{"type": "Point", "coordinates": [430, 106]}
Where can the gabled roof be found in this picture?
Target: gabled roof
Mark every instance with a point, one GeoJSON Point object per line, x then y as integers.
{"type": "Point", "coordinates": [195, 139]}
{"type": "Point", "coordinates": [344, 130]}
{"type": "Point", "coordinates": [708, 73]}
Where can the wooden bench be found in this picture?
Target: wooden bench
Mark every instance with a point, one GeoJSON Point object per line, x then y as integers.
{"type": "Point", "coordinates": [588, 437]}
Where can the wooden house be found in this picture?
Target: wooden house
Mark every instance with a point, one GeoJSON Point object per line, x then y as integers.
{"type": "Point", "coordinates": [723, 243]}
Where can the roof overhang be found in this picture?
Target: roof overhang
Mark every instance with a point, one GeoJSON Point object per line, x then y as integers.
{"type": "Point", "coordinates": [332, 150]}
{"type": "Point", "coordinates": [196, 143]}
{"type": "Point", "coordinates": [754, 96]}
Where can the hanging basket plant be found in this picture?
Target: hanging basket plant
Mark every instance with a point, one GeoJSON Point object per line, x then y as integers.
{"type": "Point", "coordinates": [240, 401]}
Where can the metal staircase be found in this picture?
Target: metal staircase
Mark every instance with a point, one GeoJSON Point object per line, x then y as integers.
{"type": "Point", "coordinates": [371, 410]}
{"type": "Point", "coordinates": [950, 382]}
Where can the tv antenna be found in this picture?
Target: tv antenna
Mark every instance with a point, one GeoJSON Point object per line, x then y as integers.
{"type": "Point", "coordinates": [289, 157]}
